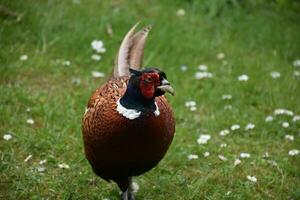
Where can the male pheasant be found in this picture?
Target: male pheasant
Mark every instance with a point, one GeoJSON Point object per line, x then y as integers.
{"type": "Point", "coordinates": [128, 124]}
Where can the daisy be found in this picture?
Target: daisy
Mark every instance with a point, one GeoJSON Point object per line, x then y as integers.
{"type": "Point", "coordinates": [97, 74]}
{"type": "Point", "coordinates": [202, 67]}
{"type": "Point", "coordinates": [294, 152]}
{"type": "Point", "coordinates": [249, 126]}
{"type": "Point", "coordinates": [269, 118]}
{"type": "Point", "coordinates": [296, 118]}
{"type": "Point", "coordinates": [63, 166]}
{"type": "Point", "coordinates": [7, 137]}
{"type": "Point", "coordinates": [135, 187]}
{"type": "Point", "coordinates": [192, 156]}
{"type": "Point", "coordinates": [30, 121]}
{"type": "Point", "coordinates": [296, 73]}
{"type": "Point", "coordinates": [289, 137]}
{"type": "Point", "coordinates": [221, 56]}
{"type": "Point", "coordinates": [243, 77]}
{"type": "Point", "coordinates": [235, 127]}
{"type": "Point", "coordinates": [96, 57]}
{"type": "Point", "coordinates": [224, 132]}
{"type": "Point", "coordinates": [202, 75]}
{"type": "Point", "coordinates": [275, 75]}
{"type": "Point", "coordinates": [223, 158]}
{"type": "Point", "coordinates": [23, 57]}
{"type": "Point", "coordinates": [237, 162]}
{"type": "Point", "coordinates": [282, 111]}
{"type": "Point", "coordinates": [98, 46]}
{"type": "Point", "coordinates": [252, 178]}
{"type": "Point", "coordinates": [203, 139]}
{"type": "Point", "coordinates": [296, 63]}
{"type": "Point", "coordinates": [183, 68]}
{"type": "Point", "coordinates": [245, 155]}
{"type": "Point", "coordinates": [285, 124]}
{"type": "Point", "coordinates": [206, 154]}
{"type": "Point", "coordinates": [180, 12]}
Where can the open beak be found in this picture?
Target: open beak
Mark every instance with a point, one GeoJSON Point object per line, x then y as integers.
{"type": "Point", "coordinates": [166, 87]}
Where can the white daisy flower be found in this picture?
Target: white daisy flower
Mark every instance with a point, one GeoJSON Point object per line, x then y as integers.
{"type": "Point", "coordinates": [203, 139]}
{"type": "Point", "coordinates": [252, 178]}
{"type": "Point", "coordinates": [296, 63]}
{"type": "Point", "coordinates": [28, 158]}
{"type": "Point", "coordinates": [294, 152]}
{"type": "Point", "coordinates": [183, 68]}
{"type": "Point", "coordinates": [23, 57]}
{"type": "Point", "coordinates": [41, 169]}
{"type": "Point", "coordinates": [180, 12]}
{"type": "Point", "coordinates": [223, 158]}
{"type": "Point", "coordinates": [289, 137]}
{"type": "Point", "coordinates": [193, 157]}
{"type": "Point", "coordinates": [193, 108]}
{"type": "Point", "coordinates": [223, 145]}
{"type": "Point", "coordinates": [282, 111]}
{"type": "Point", "coordinates": [97, 74]}
{"type": "Point", "coordinates": [63, 166]}
{"type": "Point", "coordinates": [266, 155]}
{"type": "Point", "coordinates": [42, 162]}
{"type": "Point", "coordinates": [30, 121]}
{"type": "Point", "coordinates": [249, 126]}
{"type": "Point", "coordinates": [202, 75]}
{"type": "Point", "coordinates": [235, 127]}
{"type": "Point", "coordinates": [221, 56]}
{"type": "Point", "coordinates": [275, 75]}
{"type": "Point", "coordinates": [135, 187]}
{"type": "Point", "coordinates": [228, 107]}
{"type": "Point", "coordinates": [190, 104]}
{"type": "Point", "coordinates": [98, 46]}
{"type": "Point", "coordinates": [296, 118]}
{"type": "Point", "coordinates": [269, 118]}
{"type": "Point", "coordinates": [224, 132]}
{"type": "Point", "coordinates": [237, 162]}
{"type": "Point", "coordinates": [206, 154]}
{"type": "Point", "coordinates": [245, 155]}
{"type": "Point", "coordinates": [96, 57]}
{"type": "Point", "coordinates": [285, 124]}
{"type": "Point", "coordinates": [7, 137]}
{"type": "Point", "coordinates": [226, 96]}
{"type": "Point", "coordinates": [66, 62]}
{"type": "Point", "coordinates": [243, 77]}
{"type": "Point", "coordinates": [202, 67]}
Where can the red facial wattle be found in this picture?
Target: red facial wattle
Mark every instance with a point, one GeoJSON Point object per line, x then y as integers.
{"type": "Point", "coordinates": [148, 87]}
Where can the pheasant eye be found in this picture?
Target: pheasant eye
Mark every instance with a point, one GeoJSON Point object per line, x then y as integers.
{"type": "Point", "coordinates": [148, 79]}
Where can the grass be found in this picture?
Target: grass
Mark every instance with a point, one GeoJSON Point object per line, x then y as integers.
{"type": "Point", "coordinates": [255, 42]}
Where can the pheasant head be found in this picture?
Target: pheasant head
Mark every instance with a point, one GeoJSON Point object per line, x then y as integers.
{"type": "Point", "coordinates": [142, 88]}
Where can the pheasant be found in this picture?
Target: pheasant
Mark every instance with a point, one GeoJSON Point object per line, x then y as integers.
{"type": "Point", "coordinates": [128, 125]}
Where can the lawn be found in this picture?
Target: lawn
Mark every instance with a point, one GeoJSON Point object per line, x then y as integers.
{"type": "Point", "coordinates": [250, 52]}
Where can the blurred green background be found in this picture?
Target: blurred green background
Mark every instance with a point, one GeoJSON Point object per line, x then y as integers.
{"type": "Point", "coordinates": [46, 79]}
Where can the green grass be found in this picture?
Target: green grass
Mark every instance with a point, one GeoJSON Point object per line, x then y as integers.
{"type": "Point", "coordinates": [256, 41]}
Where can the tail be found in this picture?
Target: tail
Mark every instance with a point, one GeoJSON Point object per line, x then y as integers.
{"type": "Point", "coordinates": [131, 51]}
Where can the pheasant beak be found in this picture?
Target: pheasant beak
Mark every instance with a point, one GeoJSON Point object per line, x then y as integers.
{"type": "Point", "coordinates": [166, 87]}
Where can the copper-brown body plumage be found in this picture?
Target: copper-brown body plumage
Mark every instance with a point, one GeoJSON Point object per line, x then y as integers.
{"type": "Point", "coordinates": [117, 147]}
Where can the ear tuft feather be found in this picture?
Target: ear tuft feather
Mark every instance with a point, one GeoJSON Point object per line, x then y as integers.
{"type": "Point", "coordinates": [131, 51]}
